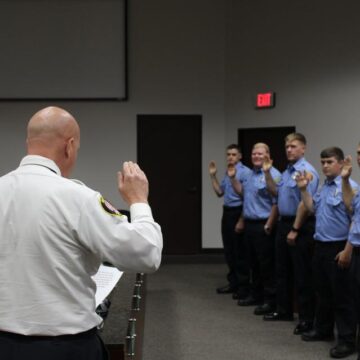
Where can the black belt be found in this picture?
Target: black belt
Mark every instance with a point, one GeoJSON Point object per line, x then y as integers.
{"type": "Point", "coordinates": [330, 243]}
{"type": "Point", "coordinates": [287, 219]}
{"type": "Point", "coordinates": [232, 208]}
{"type": "Point", "coordinates": [256, 221]}
{"type": "Point", "coordinates": [81, 335]}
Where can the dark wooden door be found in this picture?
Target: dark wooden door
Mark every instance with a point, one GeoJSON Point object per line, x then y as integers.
{"type": "Point", "coordinates": [169, 151]}
{"type": "Point", "coordinates": [272, 136]}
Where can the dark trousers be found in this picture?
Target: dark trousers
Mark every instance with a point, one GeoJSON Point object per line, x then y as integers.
{"type": "Point", "coordinates": [335, 293]}
{"type": "Point", "coordinates": [355, 276]}
{"type": "Point", "coordinates": [294, 270]}
{"type": "Point", "coordinates": [262, 260]}
{"type": "Point", "coordinates": [84, 346]}
{"type": "Point", "coordinates": [236, 254]}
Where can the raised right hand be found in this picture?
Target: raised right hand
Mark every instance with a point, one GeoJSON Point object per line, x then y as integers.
{"type": "Point", "coordinates": [231, 171]}
{"type": "Point", "coordinates": [212, 168]}
{"type": "Point", "coordinates": [133, 184]}
{"type": "Point", "coordinates": [347, 167]}
{"type": "Point", "coordinates": [302, 180]}
{"type": "Point", "coordinates": [267, 164]}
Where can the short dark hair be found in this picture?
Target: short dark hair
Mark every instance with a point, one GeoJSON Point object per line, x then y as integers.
{"type": "Point", "coordinates": [234, 146]}
{"type": "Point", "coordinates": [296, 136]}
{"type": "Point", "coordinates": [333, 151]}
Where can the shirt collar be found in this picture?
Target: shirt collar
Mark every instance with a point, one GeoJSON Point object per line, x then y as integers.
{"type": "Point", "coordinates": [40, 161]}
{"type": "Point", "coordinates": [336, 181]}
{"type": "Point", "coordinates": [296, 166]}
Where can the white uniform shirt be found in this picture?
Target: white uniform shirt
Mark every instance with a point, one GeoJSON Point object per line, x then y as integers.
{"type": "Point", "coordinates": [54, 234]}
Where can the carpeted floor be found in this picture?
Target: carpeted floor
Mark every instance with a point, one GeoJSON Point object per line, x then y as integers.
{"type": "Point", "coordinates": [186, 320]}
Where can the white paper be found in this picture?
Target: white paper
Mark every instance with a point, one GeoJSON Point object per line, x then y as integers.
{"type": "Point", "coordinates": [106, 278]}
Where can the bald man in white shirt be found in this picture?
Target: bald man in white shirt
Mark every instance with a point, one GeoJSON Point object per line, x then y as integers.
{"type": "Point", "coordinates": [54, 234]}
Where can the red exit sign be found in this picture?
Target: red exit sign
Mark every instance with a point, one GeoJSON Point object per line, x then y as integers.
{"type": "Point", "coordinates": [265, 100]}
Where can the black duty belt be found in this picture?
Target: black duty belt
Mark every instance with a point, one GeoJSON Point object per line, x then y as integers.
{"type": "Point", "coordinates": [81, 335]}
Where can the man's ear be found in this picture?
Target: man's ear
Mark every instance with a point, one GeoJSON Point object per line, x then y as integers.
{"type": "Point", "coordinates": [69, 147]}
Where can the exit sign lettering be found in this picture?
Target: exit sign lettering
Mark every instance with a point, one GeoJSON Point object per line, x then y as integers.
{"type": "Point", "coordinates": [265, 100]}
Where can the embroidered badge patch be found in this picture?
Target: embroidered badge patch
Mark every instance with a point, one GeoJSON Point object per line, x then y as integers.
{"type": "Point", "coordinates": [109, 208]}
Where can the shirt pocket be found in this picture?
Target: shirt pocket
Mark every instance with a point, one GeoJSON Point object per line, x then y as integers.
{"type": "Point", "coordinates": [334, 200]}
{"type": "Point", "coordinates": [261, 189]}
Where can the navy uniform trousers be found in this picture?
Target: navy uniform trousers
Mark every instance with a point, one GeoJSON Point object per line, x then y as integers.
{"type": "Point", "coordinates": [84, 346]}
{"type": "Point", "coordinates": [355, 276]}
{"type": "Point", "coordinates": [335, 293]}
{"type": "Point", "coordinates": [236, 254]}
{"type": "Point", "coordinates": [262, 260]}
{"type": "Point", "coordinates": [294, 269]}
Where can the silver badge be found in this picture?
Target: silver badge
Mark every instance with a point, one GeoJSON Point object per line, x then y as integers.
{"type": "Point", "coordinates": [295, 175]}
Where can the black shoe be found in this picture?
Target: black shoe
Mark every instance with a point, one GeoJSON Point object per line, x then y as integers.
{"type": "Point", "coordinates": [228, 289]}
{"type": "Point", "coordinates": [264, 309]}
{"type": "Point", "coordinates": [313, 335]}
{"type": "Point", "coordinates": [303, 327]}
{"type": "Point", "coordinates": [239, 295]}
{"type": "Point", "coordinates": [342, 350]}
{"type": "Point", "coordinates": [248, 301]}
{"type": "Point", "coordinates": [276, 316]}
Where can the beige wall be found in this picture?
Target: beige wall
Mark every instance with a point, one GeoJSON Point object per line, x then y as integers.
{"type": "Point", "coordinates": [176, 66]}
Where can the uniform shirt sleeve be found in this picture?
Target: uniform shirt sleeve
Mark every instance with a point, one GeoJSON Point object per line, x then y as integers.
{"type": "Point", "coordinates": [276, 176]}
{"type": "Point", "coordinates": [134, 246]}
{"type": "Point", "coordinates": [354, 187]}
{"type": "Point", "coordinates": [222, 184]}
{"type": "Point", "coordinates": [313, 185]}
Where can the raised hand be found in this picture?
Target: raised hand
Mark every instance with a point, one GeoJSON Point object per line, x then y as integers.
{"type": "Point", "coordinates": [347, 167]}
{"type": "Point", "coordinates": [267, 164]}
{"type": "Point", "coordinates": [231, 171]}
{"type": "Point", "coordinates": [309, 176]}
{"type": "Point", "coordinates": [212, 168]}
{"type": "Point", "coordinates": [302, 180]}
{"type": "Point", "coordinates": [133, 184]}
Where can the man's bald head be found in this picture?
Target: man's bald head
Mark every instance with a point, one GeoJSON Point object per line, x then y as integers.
{"type": "Point", "coordinates": [54, 133]}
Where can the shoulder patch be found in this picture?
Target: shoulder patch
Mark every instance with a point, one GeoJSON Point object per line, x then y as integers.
{"type": "Point", "coordinates": [109, 208]}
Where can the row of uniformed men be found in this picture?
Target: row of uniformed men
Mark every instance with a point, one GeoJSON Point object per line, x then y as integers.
{"type": "Point", "coordinates": [265, 210]}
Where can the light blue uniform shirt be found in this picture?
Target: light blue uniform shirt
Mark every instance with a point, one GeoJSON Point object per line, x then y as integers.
{"type": "Point", "coordinates": [289, 194]}
{"type": "Point", "coordinates": [257, 199]}
{"type": "Point", "coordinates": [354, 234]}
{"type": "Point", "coordinates": [332, 218]}
{"type": "Point", "coordinates": [231, 198]}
